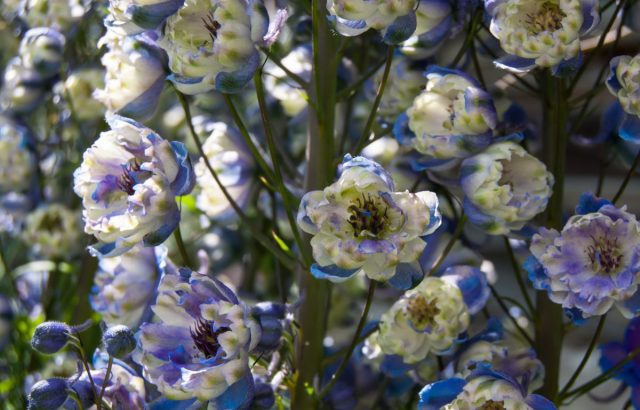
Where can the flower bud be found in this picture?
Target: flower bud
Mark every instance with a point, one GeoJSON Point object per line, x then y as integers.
{"type": "Point", "coordinates": [263, 397]}
{"type": "Point", "coordinates": [269, 316]}
{"type": "Point", "coordinates": [48, 394]}
{"type": "Point", "coordinates": [84, 390]}
{"type": "Point", "coordinates": [51, 337]}
{"type": "Point", "coordinates": [119, 341]}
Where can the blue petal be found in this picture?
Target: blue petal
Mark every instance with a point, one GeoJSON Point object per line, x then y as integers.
{"type": "Point", "coordinates": [537, 402]}
{"type": "Point", "coordinates": [362, 162]}
{"type": "Point", "coordinates": [590, 16]}
{"type": "Point", "coordinates": [515, 64]}
{"type": "Point", "coordinates": [436, 35]}
{"type": "Point", "coordinates": [166, 404]}
{"type": "Point", "coordinates": [612, 81]}
{"type": "Point", "coordinates": [185, 179]}
{"type": "Point", "coordinates": [234, 82]}
{"type": "Point", "coordinates": [401, 29]}
{"type": "Point", "coordinates": [613, 353]}
{"type": "Point", "coordinates": [609, 123]}
{"type": "Point", "coordinates": [407, 276]}
{"type": "Point", "coordinates": [401, 130]}
{"type": "Point", "coordinates": [590, 203]}
{"type": "Point", "coordinates": [476, 99]}
{"type": "Point", "coordinates": [394, 366]}
{"type": "Point", "coordinates": [159, 236]}
{"type": "Point", "coordinates": [632, 334]}
{"type": "Point", "coordinates": [237, 396]}
{"type": "Point", "coordinates": [144, 105]}
{"type": "Point", "coordinates": [151, 16]}
{"type": "Point", "coordinates": [332, 272]}
{"type": "Point", "coordinates": [435, 395]}
{"type": "Point", "coordinates": [575, 315]}
{"type": "Point", "coordinates": [630, 129]}
{"type": "Point", "coordinates": [567, 67]}
{"type": "Point", "coordinates": [536, 274]}
{"type": "Point", "coordinates": [473, 285]}
{"type": "Point", "coordinates": [442, 71]}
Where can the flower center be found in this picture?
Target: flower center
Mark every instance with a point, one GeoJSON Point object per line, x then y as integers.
{"type": "Point", "coordinates": [205, 338]}
{"type": "Point", "coordinates": [548, 17]}
{"type": "Point", "coordinates": [421, 311]}
{"type": "Point", "coordinates": [51, 223]}
{"type": "Point", "coordinates": [368, 215]}
{"type": "Point", "coordinates": [605, 255]}
{"type": "Point", "coordinates": [492, 405]}
{"type": "Point", "coordinates": [127, 180]}
{"type": "Point", "coordinates": [212, 25]}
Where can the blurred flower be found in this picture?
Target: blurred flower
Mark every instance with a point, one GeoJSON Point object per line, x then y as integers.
{"type": "Point", "coordinates": [593, 263]}
{"type": "Point", "coordinates": [232, 160]}
{"type": "Point", "coordinates": [136, 16]}
{"type": "Point", "coordinates": [22, 89]}
{"type": "Point", "coordinates": [485, 388]}
{"type": "Point", "coordinates": [17, 161]}
{"type": "Point", "coordinates": [78, 90]}
{"type": "Point", "coordinates": [200, 347]}
{"type": "Point", "coordinates": [128, 181]}
{"type": "Point", "coordinates": [504, 187]}
{"type": "Point", "coordinates": [59, 14]}
{"type": "Point", "coordinates": [624, 83]}
{"type": "Point", "coordinates": [212, 43]}
{"type": "Point", "coordinates": [41, 50]}
{"type": "Point", "coordinates": [124, 390]}
{"type": "Point", "coordinates": [270, 317]}
{"type": "Point", "coordinates": [613, 353]}
{"type": "Point", "coordinates": [360, 224]}
{"type": "Point", "coordinates": [396, 20]}
{"type": "Point", "coordinates": [404, 84]}
{"type": "Point", "coordinates": [124, 285]}
{"type": "Point", "coordinates": [541, 33]}
{"type": "Point", "coordinates": [282, 88]}
{"type": "Point", "coordinates": [452, 118]}
{"type": "Point", "coordinates": [134, 75]}
{"type": "Point", "coordinates": [427, 319]}
{"type": "Point", "coordinates": [53, 231]}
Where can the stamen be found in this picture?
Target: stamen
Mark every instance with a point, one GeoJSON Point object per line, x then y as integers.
{"type": "Point", "coordinates": [127, 180]}
{"type": "Point", "coordinates": [492, 405]}
{"type": "Point", "coordinates": [205, 339]}
{"type": "Point", "coordinates": [604, 255]}
{"type": "Point", "coordinates": [422, 312]}
{"type": "Point", "coordinates": [548, 18]}
{"type": "Point", "coordinates": [212, 26]}
{"type": "Point", "coordinates": [368, 213]}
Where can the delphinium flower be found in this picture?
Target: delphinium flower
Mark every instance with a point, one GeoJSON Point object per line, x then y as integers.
{"type": "Point", "coordinates": [136, 16]}
{"type": "Point", "coordinates": [59, 14]}
{"type": "Point", "coordinates": [124, 389]}
{"type": "Point", "coordinates": [78, 89]}
{"type": "Point", "coordinates": [452, 118]}
{"type": "Point", "coordinates": [291, 96]}
{"type": "Point", "coordinates": [504, 187]}
{"type": "Point", "coordinates": [613, 353]}
{"type": "Point", "coordinates": [536, 33]}
{"type": "Point", "coordinates": [17, 160]}
{"type": "Point", "coordinates": [128, 181]}
{"type": "Point", "coordinates": [404, 84]}
{"type": "Point", "coordinates": [396, 20]}
{"type": "Point", "coordinates": [41, 50]}
{"type": "Point", "coordinates": [360, 224]}
{"type": "Point", "coordinates": [200, 346]}
{"type": "Point", "coordinates": [593, 263]}
{"type": "Point", "coordinates": [624, 83]}
{"type": "Point", "coordinates": [134, 74]}
{"type": "Point", "coordinates": [124, 285]}
{"type": "Point", "coordinates": [432, 317]}
{"type": "Point", "coordinates": [22, 90]}
{"type": "Point", "coordinates": [232, 160]}
{"type": "Point", "coordinates": [484, 389]}
{"type": "Point", "coordinates": [212, 43]}
{"type": "Point", "coordinates": [53, 231]}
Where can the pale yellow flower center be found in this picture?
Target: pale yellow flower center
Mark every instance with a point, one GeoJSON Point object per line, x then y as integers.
{"type": "Point", "coordinates": [548, 17]}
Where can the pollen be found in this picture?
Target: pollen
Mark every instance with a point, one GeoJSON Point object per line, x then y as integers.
{"type": "Point", "coordinates": [547, 18]}
{"type": "Point", "coordinates": [422, 312]}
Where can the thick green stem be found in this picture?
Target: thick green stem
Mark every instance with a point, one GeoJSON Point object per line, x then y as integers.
{"type": "Point", "coordinates": [314, 293]}
{"type": "Point", "coordinates": [549, 315]}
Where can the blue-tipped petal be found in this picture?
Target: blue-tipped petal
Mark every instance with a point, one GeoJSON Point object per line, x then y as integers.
{"type": "Point", "coordinates": [185, 180]}
{"type": "Point", "coordinates": [237, 396]}
{"type": "Point", "coordinates": [159, 236]}
{"type": "Point", "coordinates": [630, 129]}
{"type": "Point", "coordinates": [145, 104]}
{"type": "Point", "coordinates": [515, 64]}
{"type": "Point", "coordinates": [442, 71]}
{"type": "Point", "coordinates": [401, 29]}
{"type": "Point", "coordinates": [332, 272]}
{"type": "Point", "coordinates": [401, 130]}
{"type": "Point", "coordinates": [473, 285]}
{"type": "Point", "coordinates": [476, 99]}
{"type": "Point", "coordinates": [407, 276]}
{"type": "Point", "coordinates": [234, 82]}
{"type": "Point", "coordinates": [590, 203]}
{"type": "Point", "coordinates": [536, 274]}
{"type": "Point", "coordinates": [537, 402]}
{"type": "Point", "coordinates": [590, 15]}
{"type": "Point", "coordinates": [393, 366]}
{"type": "Point", "coordinates": [435, 395]}
{"type": "Point", "coordinates": [612, 80]}
{"type": "Point", "coordinates": [567, 67]}
{"type": "Point", "coordinates": [166, 404]}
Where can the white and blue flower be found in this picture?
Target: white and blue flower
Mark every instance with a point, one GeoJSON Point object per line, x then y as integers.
{"type": "Point", "coordinates": [137, 16]}
{"type": "Point", "coordinates": [78, 89]}
{"type": "Point", "coordinates": [485, 388]}
{"type": "Point", "coordinates": [212, 44]}
{"type": "Point", "coordinates": [624, 83]}
{"type": "Point", "coordinates": [200, 346]}
{"type": "Point", "coordinates": [504, 187]}
{"type": "Point", "coordinates": [134, 74]}
{"type": "Point", "coordinates": [52, 231]}
{"type": "Point", "coordinates": [537, 33]}
{"type": "Point", "coordinates": [128, 181]}
{"type": "Point", "coordinates": [58, 14]}
{"type": "Point", "coordinates": [17, 160]}
{"type": "Point", "coordinates": [41, 50]}
{"type": "Point", "coordinates": [452, 118]}
{"type": "Point", "coordinates": [593, 263]}
{"type": "Point", "coordinates": [360, 224]}
{"type": "Point", "coordinates": [404, 84]}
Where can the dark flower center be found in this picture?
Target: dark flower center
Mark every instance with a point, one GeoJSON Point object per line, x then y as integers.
{"type": "Point", "coordinates": [205, 338]}
{"type": "Point", "coordinates": [51, 222]}
{"type": "Point", "coordinates": [492, 405]}
{"type": "Point", "coordinates": [547, 18]}
{"type": "Point", "coordinates": [127, 179]}
{"type": "Point", "coordinates": [421, 311]}
{"type": "Point", "coordinates": [604, 255]}
{"type": "Point", "coordinates": [212, 26]}
{"type": "Point", "coordinates": [368, 213]}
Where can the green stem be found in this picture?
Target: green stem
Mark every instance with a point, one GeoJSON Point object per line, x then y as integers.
{"type": "Point", "coordinates": [627, 178]}
{"type": "Point", "coordinates": [301, 81]}
{"type": "Point", "coordinates": [468, 40]}
{"type": "Point", "coordinates": [354, 341]}
{"type": "Point", "coordinates": [513, 320]}
{"type": "Point", "coordinates": [456, 235]}
{"type": "Point", "coordinates": [366, 133]}
{"type": "Point", "coordinates": [83, 357]}
{"type": "Point", "coordinates": [285, 258]}
{"type": "Point", "coordinates": [352, 88]}
{"type": "Point", "coordinates": [107, 374]}
{"type": "Point", "coordinates": [284, 193]}
{"type": "Point", "coordinates": [516, 271]}
{"type": "Point", "coordinates": [585, 358]}
{"type": "Point", "coordinates": [177, 234]}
